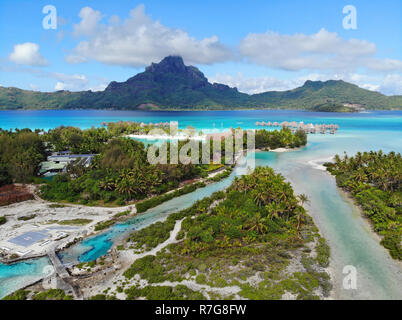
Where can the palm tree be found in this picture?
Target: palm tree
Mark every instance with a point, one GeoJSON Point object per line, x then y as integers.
{"type": "Point", "coordinates": [257, 224]}
{"type": "Point", "coordinates": [303, 198]}
{"type": "Point", "coordinates": [299, 213]}
{"type": "Point", "coordinates": [274, 210]}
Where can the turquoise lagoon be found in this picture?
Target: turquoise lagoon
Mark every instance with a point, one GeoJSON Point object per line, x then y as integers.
{"type": "Point", "coordinates": [349, 235]}
{"type": "Point", "coordinates": [18, 275]}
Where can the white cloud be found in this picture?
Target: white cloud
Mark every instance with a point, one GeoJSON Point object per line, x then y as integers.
{"type": "Point", "coordinates": [75, 82]}
{"type": "Point", "coordinates": [71, 82]}
{"type": "Point", "coordinates": [384, 65]}
{"type": "Point", "coordinates": [34, 87]}
{"type": "Point", "coordinates": [253, 85]}
{"type": "Point", "coordinates": [27, 54]}
{"type": "Point", "coordinates": [99, 87]}
{"type": "Point", "coordinates": [320, 51]}
{"type": "Point", "coordinates": [139, 40]}
{"type": "Point", "coordinates": [59, 86]}
{"type": "Point", "coordinates": [390, 84]}
{"type": "Point", "coordinates": [89, 22]}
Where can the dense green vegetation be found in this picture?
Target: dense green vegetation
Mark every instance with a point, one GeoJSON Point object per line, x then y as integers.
{"type": "Point", "coordinates": [148, 238]}
{"type": "Point", "coordinates": [172, 85]}
{"type": "Point", "coordinates": [17, 295]}
{"type": "Point", "coordinates": [52, 294]}
{"type": "Point", "coordinates": [179, 292]}
{"type": "Point", "coordinates": [265, 139]}
{"type": "Point", "coordinates": [103, 297]}
{"type": "Point", "coordinates": [21, 152]}
{"type": "Point", "coordinates": [120, 173]}
{"type": "Point", "coordinates": [374, 179]}
{"type": "Point", "coordinates": [3, 220]}
{"type": "Point", "coordinates": [253, 229]}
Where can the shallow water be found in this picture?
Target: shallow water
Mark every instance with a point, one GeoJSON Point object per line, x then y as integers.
{"type": "Point", "coordinates": [348, 234]}
{"type": "Point", "coordinates": [18, 275]}
{"type": "Point", "coordinates": [207, 120]}
{"type": "Point", "coordinates": [350, 237]}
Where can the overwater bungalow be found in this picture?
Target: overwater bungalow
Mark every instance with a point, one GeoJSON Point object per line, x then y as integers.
{"type": "Point", "coordinates": [308, 128]}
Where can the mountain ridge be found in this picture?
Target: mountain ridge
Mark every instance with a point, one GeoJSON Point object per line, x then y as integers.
{"type": "Point", "coordinates": [171, 85]}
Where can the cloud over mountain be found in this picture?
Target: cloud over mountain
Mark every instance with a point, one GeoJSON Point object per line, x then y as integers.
{"type": "Point", "coordinates": [27, 54]}
{"type": "Point", "coordinates": [139, 40]}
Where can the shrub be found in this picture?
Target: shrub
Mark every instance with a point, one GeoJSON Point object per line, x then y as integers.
{"type": "Point", "coordinates": [323, 253]}
{"type": "Point", "coordinates": [102, 297]}
{"type": "Point", "coordinates": [52, 294]}
{"type": "Point", "coordinates": [201, 279]}
{"type": "Point", "coordinates": [17, 295]}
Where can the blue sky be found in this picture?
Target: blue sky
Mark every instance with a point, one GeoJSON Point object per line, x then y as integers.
{"type": "Point", "coordinates": [253, 45]}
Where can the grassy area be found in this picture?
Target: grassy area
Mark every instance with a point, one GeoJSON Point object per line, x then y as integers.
{"type": "Point", "coordinates": [103, 297]}
{"type": "Point", "coordinates": [180, 292]}
{"type": "Point", "coordinates": [26, 218]}
{"type": "Point", "coordinates": [104, 225]}
{"type": "Point", "coordinates": [57, 205]}
{"type": "Point", "coordinates": [52, 294]}
{"type": "Point", "coordinates": [108, 223]}
{"type": "Point", "coordinates": [17, 295]}
{"type": "Point", "coordinates": [74, 222]}
{"type": "Point", "coordinates": [148, 238]}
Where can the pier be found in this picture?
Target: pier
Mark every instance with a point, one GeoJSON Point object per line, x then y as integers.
{"type": "Point", "coordinates": [58, 266]}
{"type": "Point", "coordinates": [307, 128]}
{"type": "Point", "coordinates": [66, 283]}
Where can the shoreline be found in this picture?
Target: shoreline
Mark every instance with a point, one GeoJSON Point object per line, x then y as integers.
{"type": "Point", "coordinates": [366, 222]}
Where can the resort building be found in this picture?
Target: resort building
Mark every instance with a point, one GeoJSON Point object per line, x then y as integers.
{"type": "Point", "coordinates": [59, 161]}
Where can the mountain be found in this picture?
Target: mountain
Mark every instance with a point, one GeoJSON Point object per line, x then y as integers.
{"type": "Point", "coordinates": [313, 94]}
{"type": "Point", "coordinates": [171, 84]}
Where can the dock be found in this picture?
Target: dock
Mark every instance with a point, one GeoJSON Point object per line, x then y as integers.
{"type": "Point", "coordinates": [308, 128]}
{"type": "Point", "coordinates": [58, 266]}
{"type": "Point", "coordinates": [67, 283]}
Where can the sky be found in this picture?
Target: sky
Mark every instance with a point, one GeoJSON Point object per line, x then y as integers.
{"type": "Point", "coordinates": [254, 45]}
